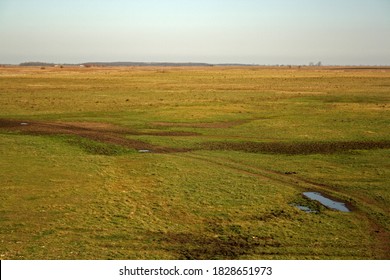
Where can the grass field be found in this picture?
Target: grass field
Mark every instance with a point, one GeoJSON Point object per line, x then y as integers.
{"type": "Point", "coordinates": [231, 150]}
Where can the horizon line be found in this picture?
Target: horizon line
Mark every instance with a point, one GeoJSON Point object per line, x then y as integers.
{"type": "Point", "coordinates": [161, 63]}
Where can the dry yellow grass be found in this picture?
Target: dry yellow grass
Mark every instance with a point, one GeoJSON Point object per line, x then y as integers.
{"type": "Point", "coordinates": [75, 187]}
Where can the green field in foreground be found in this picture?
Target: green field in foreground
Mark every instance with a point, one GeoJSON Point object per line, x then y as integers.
{"type": "Point", "coordinates": [231, 150]}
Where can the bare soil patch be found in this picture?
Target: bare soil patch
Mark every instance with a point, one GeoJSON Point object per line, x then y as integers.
{"type": "Point", "coordinates": [113, 134]}
{"type": "Point", "coordinates": [221, 241]}
{"type": "Point", "coordinates": [101, 132]}
{"type": "Point", "coordinates": [202, 125]}
{"type": "Point", "coordinates": [299, 148]}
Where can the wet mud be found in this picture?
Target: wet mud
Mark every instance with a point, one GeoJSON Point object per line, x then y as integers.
{"type": "Point", "coordinates": [298, 148]}
{"type": "Point", "coordinates": [114, 134]}
{"type": "Point", "coordinates": [99, 132]}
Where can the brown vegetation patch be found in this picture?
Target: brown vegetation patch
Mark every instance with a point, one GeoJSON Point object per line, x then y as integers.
{"type": "Point", "coordinates": [113, 134]}
{"type": "Point", "coordinates": [101, 132]}
{"type": "Point", "coordinates": [201, 247]}
{"type": "Point", "coordinates": [301, 148]}
{"type": "Point", "coordinates": [167, 133]}
{"type": "Point", "coordinates": [202, 125]}
{"type": "Point", "coordinates": [221, 242]}
{"type": "Point", "coordinates": [61, 127]}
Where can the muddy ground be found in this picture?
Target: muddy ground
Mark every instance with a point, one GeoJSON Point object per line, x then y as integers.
{"type": "Point", "coordinates": [114, 134]}
{"type": "Point", "coordinates": [101, 132]}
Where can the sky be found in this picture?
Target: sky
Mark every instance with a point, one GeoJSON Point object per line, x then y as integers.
{"type": "Point", "coordinates": [335, 32]}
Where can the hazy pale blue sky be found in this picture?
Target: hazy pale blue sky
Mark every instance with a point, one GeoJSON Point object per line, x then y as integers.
{"type": "Point", "coordinates": [214, 31]}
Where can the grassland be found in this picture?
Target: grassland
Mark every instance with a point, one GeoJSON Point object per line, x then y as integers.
{"type": "Point", "coordinates": [232, 150]}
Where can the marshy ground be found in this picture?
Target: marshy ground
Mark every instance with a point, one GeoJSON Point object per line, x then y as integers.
{"type": "Point", "coordinates": [230, 152]}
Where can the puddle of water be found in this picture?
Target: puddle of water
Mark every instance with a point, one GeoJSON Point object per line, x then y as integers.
{"type": "Point", "coordinates": [144, 151]}
{"type": "Point", "coordinates": [326, 201]}
{"type": "Point", "coordinates": [304, 208]}
{"type": "Point", "coordinates": [23, 123]}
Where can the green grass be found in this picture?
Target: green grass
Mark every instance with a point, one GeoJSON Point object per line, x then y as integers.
{"type": "Point", "coordinates": [98, 148]}
{"type": "Point", "coordinates": [230, 197]}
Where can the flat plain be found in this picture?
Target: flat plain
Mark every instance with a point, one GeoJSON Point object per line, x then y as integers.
{"type": "Point", "coordinates": [194, 162]}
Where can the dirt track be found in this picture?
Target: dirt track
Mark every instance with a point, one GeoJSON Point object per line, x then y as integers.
{"type": "Point", "coordinates": [102, 132]}
{"type": "Point", "coordinates": [114, 134]}
{"type": "Point", "coordinates": [201, 125]}
{"type": "Point", "coordinates": [378, 232]}
{"type": "Point", "coordinates": [297, 148]}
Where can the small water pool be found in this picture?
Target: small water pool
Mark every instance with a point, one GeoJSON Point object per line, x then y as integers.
{"type": "Point", "coordinates": [340, 206]}
{"type": "Point", "coordinates": [304, 208]}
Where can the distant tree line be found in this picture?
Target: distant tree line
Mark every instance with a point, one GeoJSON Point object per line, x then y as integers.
{"type": "Point", "coordinates": [37, 64]}
{"type": "Point", "coordinates": [114, 64]}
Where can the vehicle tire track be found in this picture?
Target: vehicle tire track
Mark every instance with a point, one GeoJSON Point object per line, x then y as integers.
{"type": "Point", "coordinates": [265, 173]}
{"type": "Point", "coordinates": [377, 231]}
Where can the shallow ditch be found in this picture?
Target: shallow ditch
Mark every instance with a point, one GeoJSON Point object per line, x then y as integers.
{"type": "Point", "coordinates": [112, 134]}
{"type": "Point", "coordinates": [296, 148]}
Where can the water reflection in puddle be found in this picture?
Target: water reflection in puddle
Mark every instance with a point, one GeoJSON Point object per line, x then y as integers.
{"type": "Point", "coordinates": [326, 201]}
{"type": "Point", "coordinates": [305, 208]}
